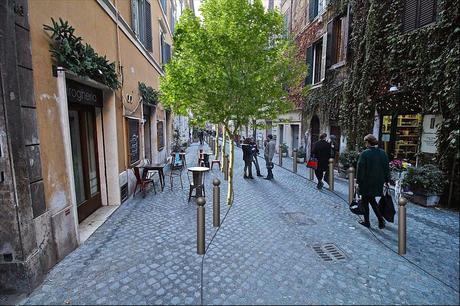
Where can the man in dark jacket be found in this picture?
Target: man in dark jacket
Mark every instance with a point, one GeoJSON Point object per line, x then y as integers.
{"type": "Point", "coordinates": [322, 152]}
{"type": "Point", "coordinates": [255, 153]}
{"type": "Point", "coordinates": [247, 157]}
{"type": "Point", "coordinates": [372, 173]}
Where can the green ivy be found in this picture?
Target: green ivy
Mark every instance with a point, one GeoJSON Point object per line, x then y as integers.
{"type": "Point", "coordinates": [148, 94]}
{"type": "Point", "coordinates": [69, 52]}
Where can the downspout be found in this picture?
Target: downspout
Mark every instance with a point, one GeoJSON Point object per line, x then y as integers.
{"type": "Point", "coordinates": [120, 72]}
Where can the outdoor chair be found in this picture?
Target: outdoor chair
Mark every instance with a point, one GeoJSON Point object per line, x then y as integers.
{"type": "Point", "coordinates": [176, 166]}
{"type": "Point", "coordinates": [196, 184]}
{"type": "Point", "coordinates": [142, 182]}
{"type": "Point", "coordinates": [215, 161]}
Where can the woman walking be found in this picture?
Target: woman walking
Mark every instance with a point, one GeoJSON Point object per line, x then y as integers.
{"type": "Point", "coordinates": [247, 157]}
{"type": "Point", "coordinates": [372, 173]}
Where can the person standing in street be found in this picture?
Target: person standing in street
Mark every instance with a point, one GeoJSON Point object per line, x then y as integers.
{"type": "Point", "coordinates": [247, 157]}
{"type": "Point", "coordinates": [269, 152]}
{"type": "Point", "coordinates": [201, 136]}
{"type": "Point", "coordinates": [255, 152]}
{"type": "Point", "coordinates": [372, 173]}
{"type": "Point", "coordinates": [322, 152]}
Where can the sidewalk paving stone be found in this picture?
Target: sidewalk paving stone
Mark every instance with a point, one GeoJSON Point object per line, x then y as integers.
{"type": "Point", "coordinates": [145, 253]}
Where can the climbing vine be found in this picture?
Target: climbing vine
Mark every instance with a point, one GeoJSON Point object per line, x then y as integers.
{"type": "Point", "coordinates": [148, 94]}
{"type": "Point", "coordinates": [424, 62]}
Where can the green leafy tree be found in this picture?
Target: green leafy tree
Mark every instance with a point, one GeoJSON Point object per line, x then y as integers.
{"type": "Point", "coordinates": [231, 66]}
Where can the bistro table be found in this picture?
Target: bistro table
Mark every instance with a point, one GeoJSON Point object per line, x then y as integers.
{"type": "Point", "coordinates": [198, 173]}
{"type": "Point", "coordinates": [155, 167]}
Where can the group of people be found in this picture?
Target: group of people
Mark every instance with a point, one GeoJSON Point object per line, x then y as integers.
{"type": "Point", "coordinates": [251, 152]}
{"type": "Point", "coordinates": [373, 172]}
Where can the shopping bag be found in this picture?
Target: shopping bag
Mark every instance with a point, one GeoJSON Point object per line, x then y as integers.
{"type": "Point", "coordinates": [312, 163]}
{"type": "Point", "coordinates": [356, 206]}
{"type": "Point", "coordinates": [386, 207]}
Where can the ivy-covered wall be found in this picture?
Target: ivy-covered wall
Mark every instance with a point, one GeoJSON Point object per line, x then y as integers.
{"type": "Point", "coordinates": [424, 62]}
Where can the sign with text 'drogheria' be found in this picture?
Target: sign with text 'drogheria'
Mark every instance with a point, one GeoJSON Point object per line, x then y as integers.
{"type": "Point", "coordinates": [83, 94]}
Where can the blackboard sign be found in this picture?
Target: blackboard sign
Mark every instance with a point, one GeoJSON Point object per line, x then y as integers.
{"type": "Point", "coordinates": [133, 140]}
{"type": "Point", "coordinates": [160, 136]}
{"type": "Point", "coordinates": [83, 94]}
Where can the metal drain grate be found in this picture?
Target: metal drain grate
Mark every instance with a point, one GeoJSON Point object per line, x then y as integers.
{"type": "Point", "coordinates": [297, 218]}
{"type": "Point", "coordinates": [329, 252]}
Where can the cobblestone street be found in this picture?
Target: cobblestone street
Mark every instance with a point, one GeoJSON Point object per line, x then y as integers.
{"type": "Point", "coordinates": [282, 242]}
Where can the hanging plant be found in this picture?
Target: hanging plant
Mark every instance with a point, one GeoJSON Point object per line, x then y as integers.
{"type": "Point", "coordinates": [68, 51]}
{"type": "Point", "coordinates": [148, 94]}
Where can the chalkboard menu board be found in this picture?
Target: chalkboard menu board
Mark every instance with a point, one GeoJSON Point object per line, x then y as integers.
{"type": "Point", "coordinates": [133, 140]}
{"type": "Point", "coordinates": [160, 135]}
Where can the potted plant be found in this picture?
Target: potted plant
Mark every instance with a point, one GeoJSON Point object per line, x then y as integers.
{"type": "Point", "coordinates": [347, 159]}
{"type": "Point", "coordinates": [284, 149]}
{"type": "Point", "coordinates": [426, 184]}
{"type": "Point", "coordinates": [301, 155]}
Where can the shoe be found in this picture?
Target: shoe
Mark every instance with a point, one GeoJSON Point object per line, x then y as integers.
{"type": "Point", "coordinates": [268, 178]}
{"type": "Point", "coordinates": [319, 185]}
{"type": "Point", "coordinates": [259, 175]}
{"type": "Point", "coordinates": [251, 177]}
{"type": "Point", "coordinates": [245, 176]}
{"type": "Point", "coordinates": [365, 224]}
{"type": "Point", "coordinates": [382, 224]}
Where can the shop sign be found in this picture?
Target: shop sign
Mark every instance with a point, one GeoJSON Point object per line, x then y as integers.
{"type": "Point", "coordinates": [83, 94]}
{"type": "Point", "coordinates": [430, 124]}
{"type": "Point", "coordinates": [160, 135]}
{"type": "Point", "coordinates": [133, 140]}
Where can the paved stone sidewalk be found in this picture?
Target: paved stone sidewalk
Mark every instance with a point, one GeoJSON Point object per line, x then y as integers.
{"type": "Point", "coordinates": [432, 233]}
{"type": "Point", "coordinates": [264, 253]}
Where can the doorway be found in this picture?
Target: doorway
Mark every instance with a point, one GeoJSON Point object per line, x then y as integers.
{"type": "Point", "coordinates": [295, 136]}
{"type": "Point", "coordinates": [85, 159]}
{"type": "Point", "coordinates": [314, 130]}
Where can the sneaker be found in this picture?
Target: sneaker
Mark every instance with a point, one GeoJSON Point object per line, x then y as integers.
{"type": "Point", "coordinates": [365, 224]}
{"type": "Point", "coordinates": [382, 224]}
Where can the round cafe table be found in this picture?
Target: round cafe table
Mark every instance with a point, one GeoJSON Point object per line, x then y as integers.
{"type": "Point", "coordinates": [198, 181]}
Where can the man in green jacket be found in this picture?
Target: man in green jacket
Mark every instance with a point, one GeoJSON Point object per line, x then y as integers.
{"type": "Point", "coordinates": [372, 173]}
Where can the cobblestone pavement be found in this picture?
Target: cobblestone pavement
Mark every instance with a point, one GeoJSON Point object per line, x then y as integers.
{"type": "Point", "coordinates": [264, 253]}
{"type": "Point", "coordinates": [432, 233]}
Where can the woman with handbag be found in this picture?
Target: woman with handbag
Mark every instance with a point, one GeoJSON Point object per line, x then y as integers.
{"type": "Point", "coordinates": [372, 173]}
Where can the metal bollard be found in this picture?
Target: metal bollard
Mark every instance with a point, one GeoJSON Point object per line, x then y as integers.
{"type": "Point", "coordinates": [312, 174]}
{"type": "Point", "coordinates": [351, 184]}
{"type": "Point", "coordinates": [216, 203]}
{"type": "Point", "coordinates": [294, 160]}
{"type": "Point", "coordinates": [280, 162]}
{"type": "Point", "coordinates": [331, 174]}
{"type": "Point", "coordinates": [226, 167]}
{"type": "Point", "coordinates": [402, 225]}
{"type": "Point", "coordinates": [200, 222]}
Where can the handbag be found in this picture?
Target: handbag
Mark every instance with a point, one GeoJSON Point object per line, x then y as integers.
{"type": "Point", "coordinates": [356, 206]}
{"type": "Point", "coordinates": [386, 206]}
{"type": "Point", "coordinates": [312, 163]}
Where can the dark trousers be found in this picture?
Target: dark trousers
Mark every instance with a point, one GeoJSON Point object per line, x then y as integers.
{"type": "Point", "coordinates": [366, 200]}
{"type": "Point", "coordinates": [248, 167]}
{"type": "Point", "coordinates": [269, 169]}
{"type": "Point", "coordinates": [256, 163]}
{"type": "Point", "coordinates": [322, 174]}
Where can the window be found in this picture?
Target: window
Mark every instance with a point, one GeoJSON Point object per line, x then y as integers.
{"type": "Point", "coordinates": [314, 62]}
{"type": "Point", "coordinates": [165, 50]}
{"type": "Point", "coordinates": [418, 13]}
{"type": "Point", "coordinates": [316, 7]}
{"type": "Point", "coordinates": [336, 31]}
{"type": "Point", "coordinates": [172, 21]}
{"type": "Point", "coordinates": [163, 6]}
{"type": "Point", "coordinates": [142, 22]}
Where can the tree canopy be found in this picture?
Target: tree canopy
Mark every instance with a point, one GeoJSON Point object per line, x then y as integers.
{"type": "Point", "coordinates": [233, 64]}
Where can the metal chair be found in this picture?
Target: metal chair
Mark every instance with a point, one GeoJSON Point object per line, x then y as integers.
{"type": "Point", "coordinates": [175, 171]}
{"type": "Point", "coordinates": [142, 182]}
{"type": "Point", "coordinates": [195, 184]}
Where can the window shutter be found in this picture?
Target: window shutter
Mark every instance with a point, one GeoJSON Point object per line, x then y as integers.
{"type": "Point", "coordinates": [410, 15]}
{"type": "Point", "coordinates": [167, 53]}
{"type": "Point", "coordinates": [148, 27]}
{"type": "Point", "coordinates": [309, 78]}
{"type": "Point", "coordinates": [427, 11]}
{"type": "Point", "coordinates": [311, 9]}
{"type": "Point", "coordinates": [134, 16]}
{"type": "Point", "coordinates": [330, 49]}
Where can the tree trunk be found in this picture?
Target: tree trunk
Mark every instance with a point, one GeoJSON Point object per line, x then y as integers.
{"type": "Point", "coordinates": [216, 142]}
{"type": "Point", "coordinates": [230, 172]}
{"type": "Point", "coordinates": [224, 145]}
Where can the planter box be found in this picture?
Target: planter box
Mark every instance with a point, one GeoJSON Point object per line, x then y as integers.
{"type": "Point", "coordinates": [423, 199]}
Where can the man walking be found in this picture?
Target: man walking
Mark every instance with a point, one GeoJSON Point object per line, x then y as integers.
{"type": "Point", "coordinates": [322, 152]}
{"type": "Point", "coordinates": [247, 158]}
{"type": "Point", "coordinates": [255, 152]}
{"type": "Point", "coordinates": [268, 154]}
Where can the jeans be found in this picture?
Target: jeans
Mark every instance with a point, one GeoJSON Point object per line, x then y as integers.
{"type": "Point", "coordinates": [248, 168]}
{"type": "Point", "coordinates": [269, 165]}
{"type": "Point", "coordinates": [256, 163]}
{"type": "Point", "coordinates": [366, 200]}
